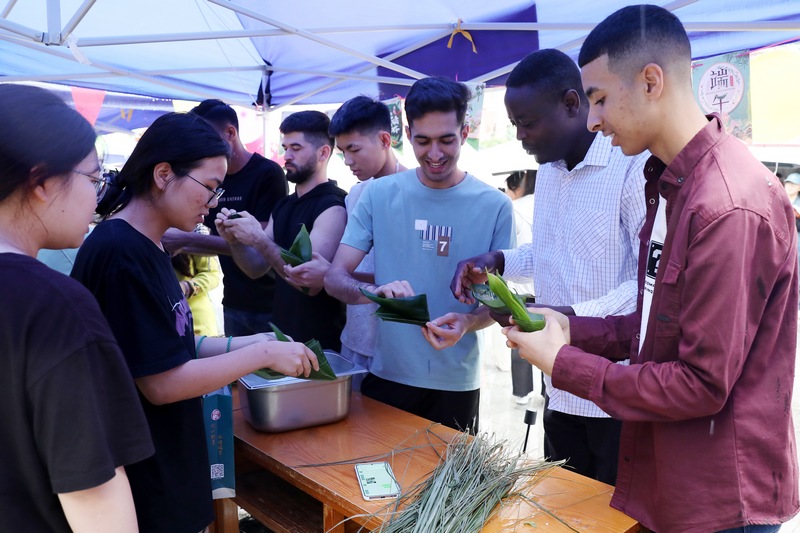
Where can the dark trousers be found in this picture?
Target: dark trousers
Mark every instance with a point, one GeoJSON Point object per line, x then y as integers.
{"type": "Point", "coordinates": [239, 323]}
{"type": "Point", "coordinates": [754, 529]}
{"type": "Point", "coordinates": [521, 375]}
{"type": "Point", "coordinates": [455, 409]}
{"type": "Point", "coordinates": [589, 445]}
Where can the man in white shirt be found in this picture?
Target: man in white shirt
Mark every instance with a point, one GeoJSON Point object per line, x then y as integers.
{"type": "Point", "coordinates": [589, 209]}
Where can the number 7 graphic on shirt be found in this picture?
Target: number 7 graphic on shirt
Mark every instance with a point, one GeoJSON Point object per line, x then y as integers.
{"type": "Point", "coordinates": [443, 246]}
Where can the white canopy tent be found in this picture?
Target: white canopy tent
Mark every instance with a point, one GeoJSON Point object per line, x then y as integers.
{"type": "Point", "coordinates": [313, 52]}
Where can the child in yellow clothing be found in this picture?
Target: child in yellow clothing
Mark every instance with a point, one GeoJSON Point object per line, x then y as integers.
{"type": "Point", "coordinates": [199, 274]}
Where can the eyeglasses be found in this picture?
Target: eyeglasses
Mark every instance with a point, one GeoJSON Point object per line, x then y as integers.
{"type": "Point", "coordinates": [215, 193]}
{"type": "Point", "coordinates": [100, 183]}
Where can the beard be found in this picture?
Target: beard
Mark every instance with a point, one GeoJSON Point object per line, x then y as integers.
{"type": "Point", "coordinates": [299, 175]}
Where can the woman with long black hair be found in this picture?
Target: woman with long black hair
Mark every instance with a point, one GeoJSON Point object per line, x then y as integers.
{"type": "Point", "coordinates": [172, 179]}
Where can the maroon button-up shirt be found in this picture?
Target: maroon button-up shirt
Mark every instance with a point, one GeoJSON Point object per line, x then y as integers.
{"type": "Point", "coordinates": [707, 441]}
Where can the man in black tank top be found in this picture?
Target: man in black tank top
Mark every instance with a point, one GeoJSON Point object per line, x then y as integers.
{"type": "Point", "coordinates": [317, 203]}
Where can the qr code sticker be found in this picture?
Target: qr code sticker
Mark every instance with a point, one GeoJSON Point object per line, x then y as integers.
{"type": "Point", "coordinates": [217, 471]}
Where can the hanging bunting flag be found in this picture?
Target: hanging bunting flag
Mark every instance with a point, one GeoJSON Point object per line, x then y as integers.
{"type": "Point", "coordinates": [88, 102]}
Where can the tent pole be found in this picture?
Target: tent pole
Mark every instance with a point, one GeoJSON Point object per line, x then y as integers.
{"type": "Point", "coordinates": [346, 76]}
{"type": "Point", "coordinates": [239, 34]}
{"type": "Point", "coordinates": [113, 71]}
{"type": "Point", "coordinates": [53, 35]}
{"type": "Point", "coordinates": [326, 42]}
{"type": "Point", "coordinates": [264, 111]}
{"type": "Point", "coordinates": [76, 19]}
{"type": "Point", "coordinates": [390, 57]}
{"type": "Point", "coordinates": [9, 6]}
{"type": "Point", "coordinates": [569, 45]}
{"type": "Point", "coordinates": [19, 29]}
{"type": "Point", "coordinates": [177, 37]}
{"type": "Point", "coordinates": [211, 70]}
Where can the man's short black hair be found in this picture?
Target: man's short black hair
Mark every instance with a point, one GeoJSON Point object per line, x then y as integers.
{"type": "Point", "coordinates": [634, 36]}
{"type": "Point", "coordinates": [363, 115]}
{"type": "Point", "coordinates": [551, 71]}
{"type": "Point", "coordinates": [217, 113]}
{"type": "Point", "coordinates": [437, 94]}
{"type": "Point", "coordinates": [312, 124]}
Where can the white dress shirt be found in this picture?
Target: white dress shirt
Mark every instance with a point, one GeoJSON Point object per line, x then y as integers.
{"type": "Point", "coordinates": [585, 243]}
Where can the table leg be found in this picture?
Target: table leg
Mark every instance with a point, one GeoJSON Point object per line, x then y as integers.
{"type": "Point", "coordinates": [332, 520]}
{"type": "Point", "coordinates": [227, 517]}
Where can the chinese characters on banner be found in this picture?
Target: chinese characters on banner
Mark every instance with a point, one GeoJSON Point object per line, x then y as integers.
{"type": "Point", "coordinates": [722, 85]}
{"type": "Point", "coordinates": [475, 112]}
{"type": "Point", "coordinates": [395, 106]}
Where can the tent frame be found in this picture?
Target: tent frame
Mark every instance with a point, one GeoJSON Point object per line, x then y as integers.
{"type": "Point", "coordinates": [56, 37]}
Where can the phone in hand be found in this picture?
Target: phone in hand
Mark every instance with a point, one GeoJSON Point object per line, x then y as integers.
{"type": "Point", "coordinates": [377, 481]}
{"type": "Point", "coordinates": [234, 216]}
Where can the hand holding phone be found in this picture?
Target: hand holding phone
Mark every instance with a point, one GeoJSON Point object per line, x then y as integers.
{"type": "Point", "coordinates": [377, 481]}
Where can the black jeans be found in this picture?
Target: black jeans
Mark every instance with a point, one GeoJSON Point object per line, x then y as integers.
{"type": "Point", "coordinates": [589, 445]}
{"type": "Point", "coordinates": [455, 409]}
{"type": "Point", "coordinates": [239, 323]}
{"type": "Point", "coordinates": [521, 375]}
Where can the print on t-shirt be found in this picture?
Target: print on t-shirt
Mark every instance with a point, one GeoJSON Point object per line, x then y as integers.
{"type": "Point", "coordinates": [657, 237]}
{"type": "Point", "coordinates": [435, 238]}
{"type": "Point", "coordinates": [183, 317]}
{"type": "Point", "coordinates": [653, 257]}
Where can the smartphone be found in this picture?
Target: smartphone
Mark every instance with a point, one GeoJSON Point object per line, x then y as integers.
{"type": "Point", "coordinates": [377, 481]}
{"type": "Point", "coordinates": [234, 215]}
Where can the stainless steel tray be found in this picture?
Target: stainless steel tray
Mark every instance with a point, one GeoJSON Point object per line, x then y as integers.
{"type": "Point", "coordinates": [291, 403]}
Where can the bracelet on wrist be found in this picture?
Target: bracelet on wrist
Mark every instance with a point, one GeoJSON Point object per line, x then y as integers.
{"type": "Point", "coordinates": [197, 348]}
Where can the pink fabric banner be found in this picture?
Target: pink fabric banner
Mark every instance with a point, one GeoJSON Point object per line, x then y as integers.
{"type": "Point", "coordinates": [88, 102]}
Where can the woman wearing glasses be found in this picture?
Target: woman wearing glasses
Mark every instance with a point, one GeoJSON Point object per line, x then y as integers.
{"type": "Point", "coordinates": [71, 414]}
{"type": "Point", "coordinates": [172, 178]}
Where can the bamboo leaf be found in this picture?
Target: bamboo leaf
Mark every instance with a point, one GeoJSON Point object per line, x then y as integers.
{"type": "Point", "coordinates": [325, 372]}
{"type": "Point", "coordinates": [409, 310]}
{"type": "Point", "coordinates": [526, 320]}
{"type": "Point", "coordinates": [484, 295]}
{"type": "Point", "coordinates": [299, 252]}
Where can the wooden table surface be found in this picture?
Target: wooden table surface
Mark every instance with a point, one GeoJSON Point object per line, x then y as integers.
{"type": "Point", "coordinates": [373, 431]}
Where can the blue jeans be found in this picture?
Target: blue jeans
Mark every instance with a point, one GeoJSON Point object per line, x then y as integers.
{"type": "Point", "coordinates": [359, 360]}
{"type": "Point", "coordinates": [239, 323]}
{"type": "Point", "coordinates": [753, 529]}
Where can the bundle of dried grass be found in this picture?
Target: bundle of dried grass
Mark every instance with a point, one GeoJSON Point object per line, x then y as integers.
{"type": "Point", "coordinates": [475, 475]}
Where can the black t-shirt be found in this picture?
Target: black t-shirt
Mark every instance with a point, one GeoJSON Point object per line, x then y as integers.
{"type": "Point", "coordinates": [256, 188]}
{"type": "Point", "coordinates": [70, 409]}
{"type": "Point", "coordinates": [139, 294]}
{"type": "Point", "coordinates": [298, 315]}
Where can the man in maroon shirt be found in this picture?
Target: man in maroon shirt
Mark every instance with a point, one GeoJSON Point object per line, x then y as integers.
{"type": "Point", "coordinates": [707, 441]}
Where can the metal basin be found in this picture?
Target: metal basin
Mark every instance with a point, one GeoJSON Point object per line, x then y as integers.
{"type": "Point", "coordinates": [291, 403]}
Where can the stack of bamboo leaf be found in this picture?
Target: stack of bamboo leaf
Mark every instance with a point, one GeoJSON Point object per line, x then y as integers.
{"type": "Point", "coordinates": [408, 310]}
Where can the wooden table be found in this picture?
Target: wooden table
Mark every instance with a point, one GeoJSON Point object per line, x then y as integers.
{"type": "Point", "coordinates": [277, 488]}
